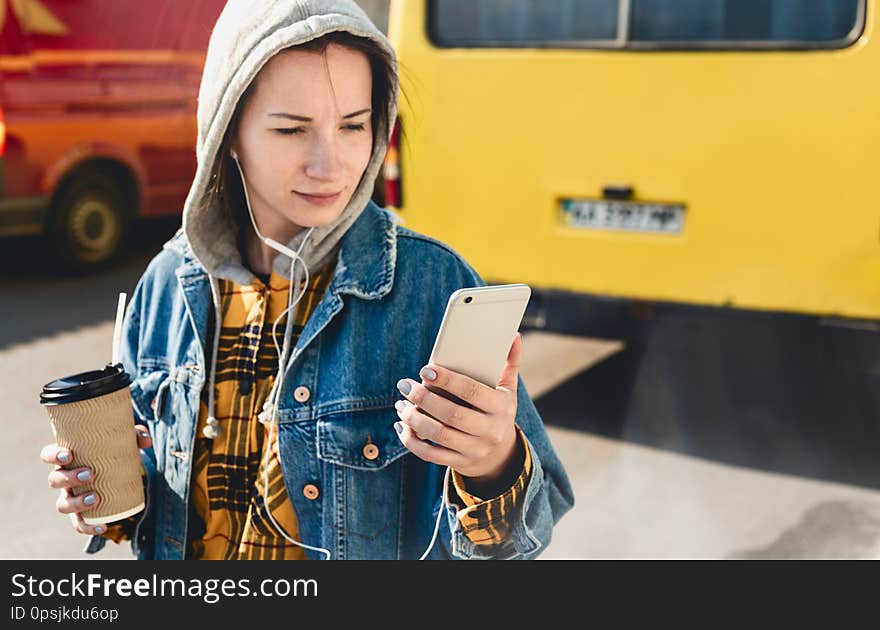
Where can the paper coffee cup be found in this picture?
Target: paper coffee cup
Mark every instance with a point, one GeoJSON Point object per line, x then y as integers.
{"type": "Point", "coordinates": [91, 415]}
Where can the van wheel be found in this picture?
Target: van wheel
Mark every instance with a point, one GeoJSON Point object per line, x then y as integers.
{"type": "Point", "coordinates": [89, 222]}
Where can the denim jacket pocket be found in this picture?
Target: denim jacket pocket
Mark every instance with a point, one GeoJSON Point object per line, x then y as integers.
{"type": "Point", "coordinates": [148, 388]}
{"type": "Point", "coordinates": [363, 439]}
{"type": "Point", "coordinates": [363, 467]}
{"type": "Point", "coordinates": [149, 392]}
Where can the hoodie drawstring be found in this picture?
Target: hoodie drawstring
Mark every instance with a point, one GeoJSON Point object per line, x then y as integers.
{"type": "Point", "coordinates": [212, 430]}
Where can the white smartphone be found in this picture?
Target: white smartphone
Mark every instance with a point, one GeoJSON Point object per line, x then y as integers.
{"type": "Point", "coordinates": [478, 328]}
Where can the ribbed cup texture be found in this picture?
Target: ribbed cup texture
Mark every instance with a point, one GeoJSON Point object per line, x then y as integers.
{"type": "Point", "coordinates": [100, 434]}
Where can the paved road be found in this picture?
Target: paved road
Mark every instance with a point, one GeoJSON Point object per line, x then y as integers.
{"type": "Point", "coordinates": [633, 500]}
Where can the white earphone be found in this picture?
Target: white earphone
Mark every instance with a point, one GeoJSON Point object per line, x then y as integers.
{"type": "Point", "coordinates": [278, 247]}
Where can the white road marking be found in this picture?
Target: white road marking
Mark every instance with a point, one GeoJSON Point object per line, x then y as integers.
{"type": "Point", "coordinates": [549, 359]}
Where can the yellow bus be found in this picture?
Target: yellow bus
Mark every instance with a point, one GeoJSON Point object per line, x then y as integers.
{"type": "Point", "coordinates": [712, 153]}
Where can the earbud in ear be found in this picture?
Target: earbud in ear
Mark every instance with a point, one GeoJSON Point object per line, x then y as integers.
{"type": "Point", "coordinates": [233, 154]}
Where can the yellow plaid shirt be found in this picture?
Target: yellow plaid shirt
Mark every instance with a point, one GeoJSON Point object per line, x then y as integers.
{"type": "Point", "coordinates": [228, 472]}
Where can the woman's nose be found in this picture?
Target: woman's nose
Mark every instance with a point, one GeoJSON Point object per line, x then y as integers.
{"type": "Point", "coordinates": [325, 161]}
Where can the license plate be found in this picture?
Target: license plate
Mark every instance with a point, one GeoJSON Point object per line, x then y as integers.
{"type": "Point", "coordinates": [626, 216]}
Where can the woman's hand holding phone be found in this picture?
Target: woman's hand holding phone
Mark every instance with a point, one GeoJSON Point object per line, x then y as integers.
{"type": "Point", "coordinates": [477, 439]}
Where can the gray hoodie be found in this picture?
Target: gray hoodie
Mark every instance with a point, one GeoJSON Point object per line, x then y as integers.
{"type": "Point", "coordinates": [247, 34]}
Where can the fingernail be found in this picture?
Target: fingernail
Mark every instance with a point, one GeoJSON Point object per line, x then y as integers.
{"type": "Point", "coordinates": [400, 406]}
{"type": "Point", "coordinates": [398, 426]}
{"type": "Point", "coordinates": [63, 457]}
{"type": "Point", "coordinates": [404, 386]}
{"type": "Point", "coordinates": [89, 499]}
{"type": "Point", "coordinates": [428, 374]}
{"type": "Point", "coordinates": [99, 529]}
{"type": "Point", "coordinates": [84, 475]}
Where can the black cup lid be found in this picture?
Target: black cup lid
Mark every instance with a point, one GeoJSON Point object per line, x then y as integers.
{"type": "Point", "coordinates": [85, 385]}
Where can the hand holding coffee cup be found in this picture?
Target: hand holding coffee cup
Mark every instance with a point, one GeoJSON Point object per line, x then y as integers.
{"type": "Point", "coordinates": [66, 480]}
{"type": "Point", "coordinates": [92, 418]}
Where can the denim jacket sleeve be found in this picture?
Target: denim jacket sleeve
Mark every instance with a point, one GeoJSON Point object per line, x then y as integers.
{"type": "Point", "coordinates": [548, 496]}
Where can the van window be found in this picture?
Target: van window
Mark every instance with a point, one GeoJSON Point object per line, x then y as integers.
{"type": "Point", "coordinates": [646, 23]}
{"type": "Point", "coordinates": [465, 23]}
{"type": "Point", "coordinates": [697, 21]}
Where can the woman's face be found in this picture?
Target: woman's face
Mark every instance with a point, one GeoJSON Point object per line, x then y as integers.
{"type": "Point", "coordinates": [304, 138]}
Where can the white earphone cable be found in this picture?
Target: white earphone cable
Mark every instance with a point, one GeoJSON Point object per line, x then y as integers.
{"type": "Point", "coordinates": [439, 515]}
{"type": "Point", "coordinates": [268, 416]}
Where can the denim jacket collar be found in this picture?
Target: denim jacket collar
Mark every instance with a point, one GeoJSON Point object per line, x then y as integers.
{"type": "Point", "coordinates": [367, 255]}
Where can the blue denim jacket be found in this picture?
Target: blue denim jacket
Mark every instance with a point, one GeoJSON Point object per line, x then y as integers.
{"type": "Point", "coordinates": [375, 324]}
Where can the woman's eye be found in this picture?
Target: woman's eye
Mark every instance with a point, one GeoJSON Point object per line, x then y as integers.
{"type": "Point", "coordinates": [288, 131]}
{"type": "Point", "coordinates": [358, 127]}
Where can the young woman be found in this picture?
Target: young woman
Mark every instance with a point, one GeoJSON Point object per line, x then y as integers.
{"type": "Point", "coordinates": [277, 343]}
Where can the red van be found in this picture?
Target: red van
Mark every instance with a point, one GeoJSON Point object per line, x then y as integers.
{"type": "Point", "coordinates": [97, 117]}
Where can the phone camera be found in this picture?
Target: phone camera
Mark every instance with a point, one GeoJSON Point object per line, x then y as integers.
{"type": "Point", "coordinates": [468, 299]}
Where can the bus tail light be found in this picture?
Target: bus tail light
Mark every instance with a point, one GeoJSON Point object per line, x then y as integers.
{"type": "Point", "coordinates": [2, 133]}
{"type": "Point", "coordinates": [391, 170]}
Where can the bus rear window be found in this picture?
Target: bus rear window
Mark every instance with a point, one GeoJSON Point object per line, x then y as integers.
{"type": "Point", "coordinates": [503, 23]}
{"type": "Point", "coordinates": [728, 21]}
{"type": "Point", "coordinates": [719, 24]}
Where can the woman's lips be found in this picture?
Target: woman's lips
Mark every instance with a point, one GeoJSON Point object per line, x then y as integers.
{"type": "Point", "coordinates": [319, 200]}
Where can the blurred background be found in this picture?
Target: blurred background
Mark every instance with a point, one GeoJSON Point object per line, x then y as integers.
{"type": "Point", "coordinates": [688, 186]}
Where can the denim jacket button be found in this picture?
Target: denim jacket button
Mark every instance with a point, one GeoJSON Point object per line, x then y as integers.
{"type": "Point", "coordinates": [371, 451]}
{"type": "Point", "coordinates": [310, 491]}
{"type": "Point", "coordinates": [302, 393]}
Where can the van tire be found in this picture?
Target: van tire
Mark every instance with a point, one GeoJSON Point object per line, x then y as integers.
{"type": "Point", "coordinates": [88, 223]}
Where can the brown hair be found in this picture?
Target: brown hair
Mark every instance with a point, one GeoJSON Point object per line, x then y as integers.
{"type": "Point", "coordinates": [226, 188]}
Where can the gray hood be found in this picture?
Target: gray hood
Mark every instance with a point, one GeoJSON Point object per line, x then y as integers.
{"type": "Point", "coordinates": [247, 34]}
